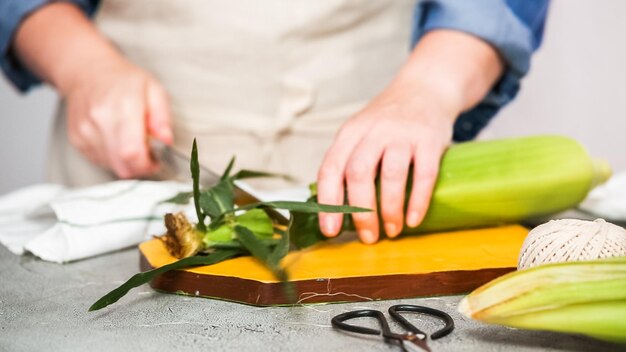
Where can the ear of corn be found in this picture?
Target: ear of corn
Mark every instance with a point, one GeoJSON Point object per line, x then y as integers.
{"type": "Point", "coordinates": [509, 180]}
{"type": "Point", "coordinates": [576, 297]}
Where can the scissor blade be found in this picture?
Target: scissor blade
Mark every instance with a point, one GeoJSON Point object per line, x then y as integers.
{"type": "Point", "coordinates": [415, 345]}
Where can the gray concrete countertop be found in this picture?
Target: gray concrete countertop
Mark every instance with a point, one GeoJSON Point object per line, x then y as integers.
{"type": "Point", "coordinates": [43, 306]}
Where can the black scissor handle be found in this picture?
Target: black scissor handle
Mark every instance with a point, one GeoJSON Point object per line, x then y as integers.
{"type": "Point", "coordinates": [339, 322]}
{"type": "Point", "coordinates": [394, 311]}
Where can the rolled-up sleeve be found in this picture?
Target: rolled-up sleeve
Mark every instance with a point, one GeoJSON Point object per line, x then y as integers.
{"type": "Point", "coordinates": [513, 27]}
{"type": "Point", "coordinates": [12, 13]}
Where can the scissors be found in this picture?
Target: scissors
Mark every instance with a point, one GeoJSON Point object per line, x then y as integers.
{"type": "Point", "coordinates": [412, 340]}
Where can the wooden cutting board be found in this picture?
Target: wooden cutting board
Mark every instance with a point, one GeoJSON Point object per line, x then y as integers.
{"type": "Point", "coordinates": [347, 270]}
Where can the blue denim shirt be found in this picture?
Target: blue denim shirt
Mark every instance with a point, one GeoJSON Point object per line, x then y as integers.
{"type": "Point", "coordinates": [12, 13]}
{"type": "Point", "coordinates": [513, 27]}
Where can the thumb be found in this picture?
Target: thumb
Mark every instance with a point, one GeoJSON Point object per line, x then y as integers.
{"type": "Point", "coordinates": [159, 120]}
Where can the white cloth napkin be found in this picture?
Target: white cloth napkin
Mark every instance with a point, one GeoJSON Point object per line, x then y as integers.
{"type": "Point", "coordinates": [61, 225]}
{"type": "Point", "coordinates": [608, 201]}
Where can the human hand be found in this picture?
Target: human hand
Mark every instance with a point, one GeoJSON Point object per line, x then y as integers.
{"type": "Point", "coordinates": [447, 73]}
{"type": "Point", "coordinates": [393, 131]}
{"type": "Point", "coordinates": [112, 110]}
{"type": "Point", "coordinates": [112, 105]}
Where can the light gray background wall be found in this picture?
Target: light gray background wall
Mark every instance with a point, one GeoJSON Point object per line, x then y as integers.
{"type": "Point", "coordinates": [577, 87]}
{"type": "Point", "coordinates": [24, 127]}
{"type": "Point", "coordinates": [577, 84]}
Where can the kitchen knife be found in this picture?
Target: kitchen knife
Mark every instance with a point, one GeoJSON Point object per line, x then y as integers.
{"type": "Point", "coordinates": [175, 166]}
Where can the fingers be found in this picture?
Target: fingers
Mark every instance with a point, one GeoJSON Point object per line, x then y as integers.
{"type": "Point", "coordinates": [109, 121]}
{"type": "Point", "coordinates": [426, 169]}
{"type": "Point", "coordinates": [330, 191]}
{"type": "Point", "coordinates": [86, 138]}
{"type": "Point", "coordinates": [393, 178]}
{"type": "Point", "coordinates": [128, 149]}
{"type": "Point", "coordinates": [330, 180]}
{"type": "Point", "coordinates": [360, 175]}
{"type": "Point", "coordinates": [158, 117]}
{"type": "Point", "coordinates": [111, 133]}
{"type": "Point", "coordinates": [355, 156]}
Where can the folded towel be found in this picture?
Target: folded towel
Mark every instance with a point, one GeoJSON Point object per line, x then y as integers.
{"type": "Point", "coordinates": [608, 201]}
{"type": "Point", "coordinates": [60, 225]}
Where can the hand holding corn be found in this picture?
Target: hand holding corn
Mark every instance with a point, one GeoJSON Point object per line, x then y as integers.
{"type": "Point", "coordinates": [409, 123]}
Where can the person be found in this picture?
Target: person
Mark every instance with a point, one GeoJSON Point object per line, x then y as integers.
{"type": "Point", "coordinates": [272, 82]}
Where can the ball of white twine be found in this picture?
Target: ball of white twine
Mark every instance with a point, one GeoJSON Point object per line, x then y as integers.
{"type": "Point", "coordinates": [568, 240]}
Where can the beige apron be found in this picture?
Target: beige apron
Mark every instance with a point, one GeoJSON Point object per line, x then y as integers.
{"type": "Point", "coordinates": [268, 81]}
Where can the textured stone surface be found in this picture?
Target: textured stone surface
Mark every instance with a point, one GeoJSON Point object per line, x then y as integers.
{"type": "Point", "coordinates": [43, 306]}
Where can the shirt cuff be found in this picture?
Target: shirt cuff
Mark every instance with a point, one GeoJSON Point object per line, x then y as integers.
{"type": "Point", "coordinates": [491, 20]}
{"type": "Point", "coordinates": [12, 14]}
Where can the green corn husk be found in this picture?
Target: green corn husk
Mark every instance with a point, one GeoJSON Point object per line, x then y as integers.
{"type": "Point", "coordinates": [510, 180]}
{"type": "Point", "coordinates": [577, 297]}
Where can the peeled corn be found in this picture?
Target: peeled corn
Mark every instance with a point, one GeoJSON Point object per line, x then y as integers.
{"type": "Point", "coordinates": [576, 297]}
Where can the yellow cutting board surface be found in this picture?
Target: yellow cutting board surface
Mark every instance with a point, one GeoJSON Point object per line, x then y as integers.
{"type": "Point", "coordinates": [468, 250]}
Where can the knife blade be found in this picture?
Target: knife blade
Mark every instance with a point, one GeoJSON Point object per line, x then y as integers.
{"type": "Point", "coordinates": [175, 166]}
